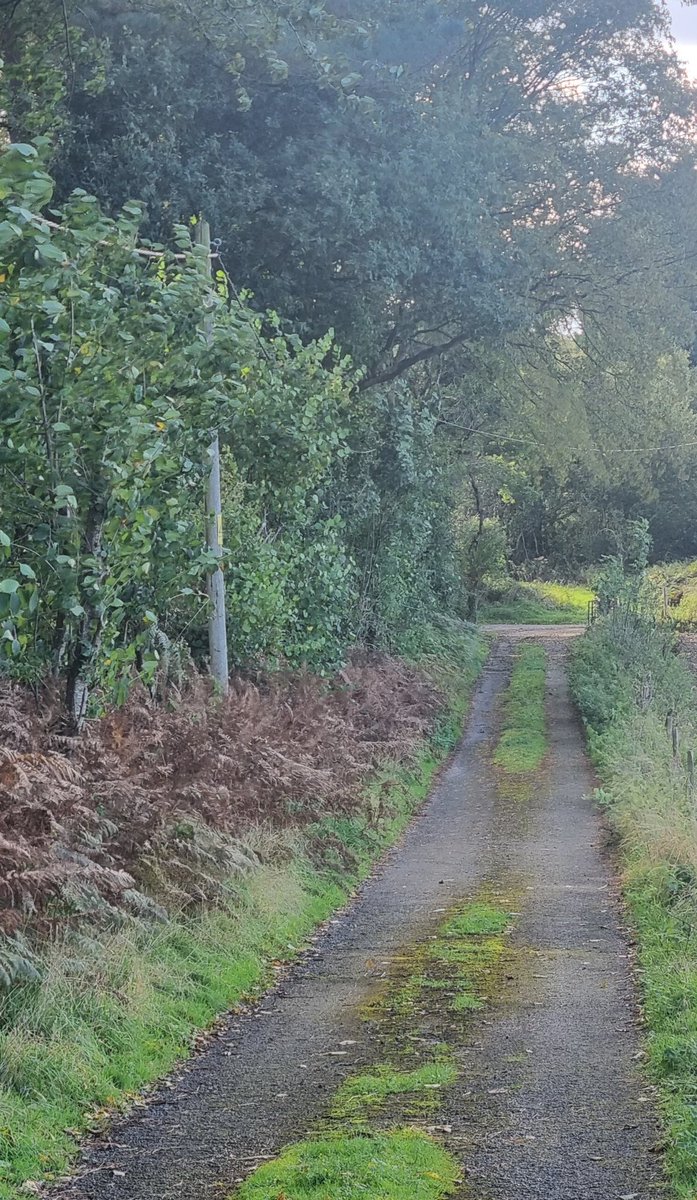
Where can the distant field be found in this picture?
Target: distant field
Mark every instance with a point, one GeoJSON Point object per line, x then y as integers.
{"type": "Point", "coordinates": [540, 604]}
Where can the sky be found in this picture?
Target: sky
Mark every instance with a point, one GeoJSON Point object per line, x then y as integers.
{"type": "Point", "coordinates": [685, 29]}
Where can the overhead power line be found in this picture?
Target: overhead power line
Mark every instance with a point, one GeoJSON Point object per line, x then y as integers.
{"type": "Point", "coordinates": [504, 437]}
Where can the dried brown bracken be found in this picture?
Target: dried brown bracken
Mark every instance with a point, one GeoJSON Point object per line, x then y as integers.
{"type": "Point", "coordinates": [148, 808]}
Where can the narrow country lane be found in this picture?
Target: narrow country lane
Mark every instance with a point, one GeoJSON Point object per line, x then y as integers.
{"type": "Point", "coordinates": [549, 1099]}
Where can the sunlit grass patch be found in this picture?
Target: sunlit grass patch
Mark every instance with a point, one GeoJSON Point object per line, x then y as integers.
{"type": "Point", "coordinates": [540, 604]}
{"type": "Point", "coordinates": [468, 953]}
{"type": "Point", "coordinates": [401, 1165]}
{"type": "Point", "coordinates": [676, 592]}
{"type": "Point", "coordinates": [522, 743]}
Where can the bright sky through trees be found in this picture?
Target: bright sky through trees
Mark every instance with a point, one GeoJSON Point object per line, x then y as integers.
{"type": "Point", "coordinates": [685, 28]}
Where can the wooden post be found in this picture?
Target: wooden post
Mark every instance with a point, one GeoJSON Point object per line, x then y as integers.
{"type": "Point", "coordinates": [676, 741]}
{"type": "Point", "coordinates": [691, 769]}
{"type": "Point", "coordinates": [217, 628]}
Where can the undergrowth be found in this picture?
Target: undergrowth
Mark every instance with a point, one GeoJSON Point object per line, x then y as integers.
{"type": "Point", "coordinates": [626, 678]}
{"type": "Point", "coordinates": [522, 742]}
{"type": "Point", "coordinates": [109, 1008]}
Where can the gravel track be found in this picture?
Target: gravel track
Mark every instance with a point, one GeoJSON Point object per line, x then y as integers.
{"type": "Point", "coordinates": [551, 1101]}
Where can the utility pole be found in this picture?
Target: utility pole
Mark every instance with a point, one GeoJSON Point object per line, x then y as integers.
{"type": "Point", "coordinates": [217, 629]}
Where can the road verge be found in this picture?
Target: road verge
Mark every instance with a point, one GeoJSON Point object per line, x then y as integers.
{"type": "Point", "coordinates": [632, 688]}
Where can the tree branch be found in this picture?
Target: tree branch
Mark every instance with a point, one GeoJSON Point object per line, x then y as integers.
{"type": "Point", "coordinates": [412, 360]}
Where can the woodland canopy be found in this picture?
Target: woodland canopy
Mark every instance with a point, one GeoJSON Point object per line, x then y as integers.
{"type": "Point", "coordinates": [454, 294]}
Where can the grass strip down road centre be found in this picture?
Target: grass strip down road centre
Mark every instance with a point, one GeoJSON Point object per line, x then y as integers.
{"type": "Point", "coordinates": [522, 743]}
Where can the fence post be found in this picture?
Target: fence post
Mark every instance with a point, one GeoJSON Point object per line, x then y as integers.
{"type": "Point", "coordinates": [217, 629]}
{"type": "Point", "coordinates": [691, 769]}
{"type": "Point", "coordinates": [676, 741]}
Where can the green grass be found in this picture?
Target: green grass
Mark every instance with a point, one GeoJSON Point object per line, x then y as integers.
{"type": "Point", "coordinates": [477, 919]}
{"type": "Point", "coordinates": [646, 798]}
{"type": "Point", "coordinates": [399, 1165]}
{"type": "Point", "coordinates": [539, 604]}
{"type": "Point", "coordinates": [117, 1014]}
{"type": "Point", "coordinates": [369, 1091]}
{"type": "Point", "coordinates": [113, 1014]}
{"type": "Point", "coordinates": [522, 742]}
{"type": "Point", "coordinates": [460, 963]}
{"type": "Point", "coordinates": [466, 1002]}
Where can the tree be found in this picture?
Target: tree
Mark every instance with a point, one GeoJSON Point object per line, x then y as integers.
{"type": "Point", "coordinates": [445, 190]}
{"type": "Point", "coordinates": [110, 387]}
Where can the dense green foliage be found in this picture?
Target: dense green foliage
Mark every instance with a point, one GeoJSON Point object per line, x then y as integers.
{"type": "Point", "coordinates": [626, 678]}
{"type": "Point", "coordinates": [111, 384]}
{"type": "Point", "coordinates": [492, 208]}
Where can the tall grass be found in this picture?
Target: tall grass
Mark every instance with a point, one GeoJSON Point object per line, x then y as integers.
{"type": "Point", "coordinates": [626, 677]}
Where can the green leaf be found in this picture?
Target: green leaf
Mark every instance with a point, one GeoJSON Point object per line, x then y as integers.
{"type": "Point", "coordinates": [53, 308]}
{"type": "Point", "coordinates": [54, 253]}
{"type": "Point", "coordinates": [26, 571]}
{"type": "Point", "coordinates": [9, 586]}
